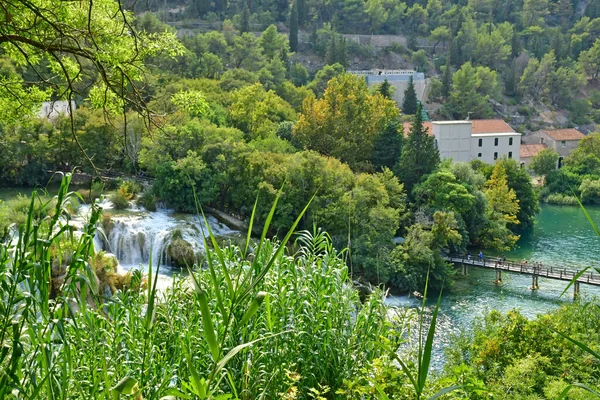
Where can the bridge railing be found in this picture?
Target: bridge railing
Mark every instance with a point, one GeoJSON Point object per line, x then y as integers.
{"type": "Point", "coordinates": [528, 268]}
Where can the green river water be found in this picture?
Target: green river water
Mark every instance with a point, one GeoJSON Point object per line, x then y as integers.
{"type": "Point", "coordinates": [562, 236]}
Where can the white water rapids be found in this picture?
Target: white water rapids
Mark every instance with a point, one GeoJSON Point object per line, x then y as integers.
{"type": "Point", "coordinates": [137, 237]}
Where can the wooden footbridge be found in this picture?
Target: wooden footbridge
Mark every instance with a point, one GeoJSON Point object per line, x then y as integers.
{"type": "Point", "coordinates": [534, 270]}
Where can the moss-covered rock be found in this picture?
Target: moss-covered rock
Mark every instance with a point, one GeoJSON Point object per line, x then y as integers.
{"type": "Point", "coordinates": [181, 253]}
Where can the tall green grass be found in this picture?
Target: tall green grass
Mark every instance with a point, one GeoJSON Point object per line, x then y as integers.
{"type": "Point", "coordinates": [254, 322]}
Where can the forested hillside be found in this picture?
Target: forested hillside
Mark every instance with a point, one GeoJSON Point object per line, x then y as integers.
{"type": "Point", "coordinates": [537, 58]}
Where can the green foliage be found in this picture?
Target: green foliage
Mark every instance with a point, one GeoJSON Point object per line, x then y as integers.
{"type": "Point", "coordinates": [590, 191]}
{"type": "Point", "coordinates": [293, 40]}
{"type": "Point", "coordinates": [519, 358]}
{"type": "Point", "coordinates": [409, 105]}
{"type": "Point", "coordinates": [119, 200]}
{"type": "Point", "coordinates": [419, 155]}
{"type": "Point", "coordinates": [471, 89]}
{"type": "Point", "coordinates": [387, 147]}
{"type": "Point", "coordinates": [544, 162]}
{"type": "Point", "coordinates": [221, 324]}
{"type": "Point", "coordinates": [345, 122]}
{"type": "Point", "coordinates": [147, 200]}
{"type": "Point", "coordinates": [562, 199]}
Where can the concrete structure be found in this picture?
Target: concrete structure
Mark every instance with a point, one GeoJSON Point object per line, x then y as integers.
{"type": "Point", "coordinates": [528, 151]}
{"type": "Point", "coordinates": [486, 139]}
{"type": "Point", "coordinates": [52, 109]}
{"type": "Point", "coordinates": [564, 141]}
{"type": "Point", "coordinates": [398, 79]}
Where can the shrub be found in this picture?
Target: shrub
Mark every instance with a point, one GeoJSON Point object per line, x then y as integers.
{"type": "Point", "coordinates": [91, 195]}
{"type": "Point", "coordinates": [590, 191]}
{"type": "Point", "coordinates": [559, 198]}
{"type": "Point", "coordinates": [147, 200]}
{"type": "Point", "coordinates": [120, 202]}
{"type": "Point", "coordinates": [129, 189]}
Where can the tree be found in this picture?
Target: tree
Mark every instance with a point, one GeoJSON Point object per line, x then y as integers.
{"type": "Point", "coordinates": [447, 80]}
{"type": "Point", "coordinates": [346, 121]}
{"type": "Point", "coordinates": [409, 105]}
{"type": "Point", "coordinates": [322, 78]}
{"type": "Point", "coordinates": [439, 35]}
{"type": "Point", "coordinates": [88, 49]}
{"type": "Point", "coordinates": [245, 19]}
{"type": "Point", "coordinates": [502, 211]}
{"type": "Point", "coordinates": [388, 146]}
{"type": "Point", "coordinates": [272, 43]}
{"type": "Point", "coordinates": [302, 17]}
{"type": "Point", "coordinates": [294, 28]}
{"type": "Point", "coordinates": [385, 89]}
{"type": "Point", "coordinates": [534, 12]}
{"type": "Point", "coordinates": [590, 60]}
{"type": "Point", "coordinates": [470, 92]}
{"type": "Point", "coordinates": [419, 155]}
{"type": "Point", "coordinates": [519, 180]}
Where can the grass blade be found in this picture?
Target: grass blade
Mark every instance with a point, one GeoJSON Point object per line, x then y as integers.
{"type": "Point", "coordinates": [250, 223]}
{"type": "Point", "coordinates": [426, 360]}
{"type": "Point", "coordinates": [579, 344]}
{"type": "Point", "coordinates": [564, 393]}
{"type": "Point", "coordinates": [575, 278]}
{"type": "Point", "coordinates": [207, 325]}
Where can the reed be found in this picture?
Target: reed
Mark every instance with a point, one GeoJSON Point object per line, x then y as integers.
{"type": "Point", "coordinates": [257, 322]}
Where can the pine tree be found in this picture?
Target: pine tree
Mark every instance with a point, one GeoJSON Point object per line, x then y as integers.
{"type": "Point", "coordinates": [387, 147]}
{"type": "Point", "coordinates": [302, 17]}
{"type": "Point", "coordinates": [385, 89]}
{"type": "Point", "coordinates": [409, 105]}
{"type": "Point", "coordinates": [420, 155]}
{"type": "Point", "coordinates": [294, 28]}
{"type": "Point", "coordinates": [447, 80]}
{"type": "Point", "coordinates": [331, 55]}
{"type": "Point", "coordinates": [245, 20]}
{"type": "Point", "coordinates": [342, 52]}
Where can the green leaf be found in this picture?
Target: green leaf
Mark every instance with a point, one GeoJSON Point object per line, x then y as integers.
{"type": "Point", "coordinates": [250, 223]}
{"type": "Point", "coordinates": [207, 325]}
{"type": "Point", "coordinates": [426, 358]}
{"type": "Point", "coordinates": [221, 364]}
{"type": "Point", "coordinates": [575, 278]}
{"type": "Point", "coordinates": [446, 390]}
{"type": "Point", "coordinates": [253, 308]}
{"type": "Point", "coordinates": [580, 345]}
{"type": "Point", "coordinates": [126, 385]}
{"type": "Point", "coordinates": [564, 393]}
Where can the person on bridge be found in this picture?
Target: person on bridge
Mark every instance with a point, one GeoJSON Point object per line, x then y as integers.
{"type": "Point", "coordinates": [469, 255]}
{"type": "Point", "coordinates": [480, 256]}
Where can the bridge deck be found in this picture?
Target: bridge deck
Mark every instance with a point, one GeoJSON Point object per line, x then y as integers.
{"type": "Point", "coordinates": [562, 274]}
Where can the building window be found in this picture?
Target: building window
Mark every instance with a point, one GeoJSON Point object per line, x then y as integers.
{"type": "Point", "coordinates": [563, 143]}
{"type": "Point", "coordinates": [510, 141]}
{"type": "Point", "coordinates": [479, 155]}
{"type": "Point", "coordinates": [496, 142]}
{"type": "Point", "coordinates": [436, 143]}
{"type": "Point", "coordinates": [496, 155]}
{"type": "Point", "coordinates": [510, 154]}
{"type": "Point", "coordinates": [480, 142]}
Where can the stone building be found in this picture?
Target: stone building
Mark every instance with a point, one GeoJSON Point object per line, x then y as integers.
{"type": "Point", "coordinates": [564, 141]}
{"type": "Point", "coordinates": [485, 139]}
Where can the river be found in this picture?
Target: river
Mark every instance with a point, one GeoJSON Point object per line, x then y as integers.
{"type": "Point", "coordinates": [562, 236]}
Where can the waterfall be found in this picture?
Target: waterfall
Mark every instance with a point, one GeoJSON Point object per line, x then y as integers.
{"type": "Point", "coordinates": [137, 237]}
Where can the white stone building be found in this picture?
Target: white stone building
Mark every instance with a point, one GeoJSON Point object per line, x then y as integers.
{"type": "Point", "coordinates": [485, 139]}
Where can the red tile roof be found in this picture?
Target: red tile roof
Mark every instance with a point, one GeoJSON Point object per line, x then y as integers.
{"type": "Point", "coordinates": [478, 126]}
{"type": "Point", "coordinates": [490, 126]}
{"type": "Point", "coordinates": [564, 134]}
{"type": "Point", "coordinates": [530, 150]}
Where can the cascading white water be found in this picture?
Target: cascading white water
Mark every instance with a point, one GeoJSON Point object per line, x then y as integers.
{"type": "Point", "coordinates": [138, 237]}
{"type": "Point", "coordinates": [135, 237]}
